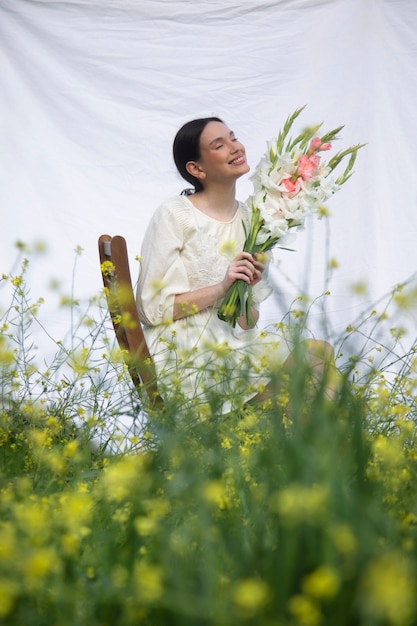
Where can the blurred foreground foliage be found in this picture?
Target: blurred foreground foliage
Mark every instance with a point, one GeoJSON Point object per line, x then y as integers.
{"type": "Point", "coordinates": [294, 513]}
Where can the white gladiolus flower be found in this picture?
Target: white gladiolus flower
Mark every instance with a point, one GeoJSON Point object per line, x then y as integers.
{"type": "Point", "coordinates": [271, 148]}
{"type": "Point", "coordinates": [328, 186]}
{"type": "Point", "coordinates": [289, 183]}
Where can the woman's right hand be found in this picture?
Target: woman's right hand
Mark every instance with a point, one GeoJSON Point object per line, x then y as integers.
{"type": "Point", "coordinates": [243, 267]}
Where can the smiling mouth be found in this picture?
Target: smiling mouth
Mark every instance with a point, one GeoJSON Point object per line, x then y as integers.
{"type": "Point", "coordinates": [238, 161]}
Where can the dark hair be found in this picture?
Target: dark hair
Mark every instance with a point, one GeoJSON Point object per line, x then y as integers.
{"type": "Point", "coordinates": [186, 147]}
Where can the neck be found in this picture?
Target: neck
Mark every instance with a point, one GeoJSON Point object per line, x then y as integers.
{"type": "Point", "coordinates": [218, 202]}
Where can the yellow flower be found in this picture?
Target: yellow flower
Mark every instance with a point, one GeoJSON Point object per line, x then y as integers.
{"type": "Point", "coordinates": [250, 594]}
{"type": "Point", "coordinates": [344, 539]}
{"type": "Point", "coordinates": [33, 518]}
{"type": "Point", "coordinates": [146, 526]}
{"type": "Point", "coordinates": [55, 460]}
{"type": "Point", "coordinates": [39, 565]}
{"type": "Point", "coordinates": [122, 477]}
{"type": "Point", "coordinates": [406, 300]}
{"type": "Point", "coordinates": [79, 361]}
{"type": "Point", "coordinates": [71, 541]}
{"type": "Point", "coordinates": [221, 350]}
{"type": "Point", "coordinates": [68, 301]}
{"type": "Point", "coordinates": [407, 428]}
{"type": "Point", "coordinates": [228, 248]}
{"type": "Point", "coordinates": [148, 580]}
{"type": "Point", "coordinates": [71, 449]}
{"type": "Point", "coordinates": [360, 288]}
{"type": "Point", "coordinates": [322, 584]}
{"type": "Point", "coordinates": [7, 355]}
{"type": "Point", "coordinates": [107, 268]}
{"type": "Point", "coordinates": [8, 592]}
{"type": "Point", "coordinates": [215, 493]}
{"type": "Point", "coordinates": [333, 264]}
{"type": "Point", "coordinates": [388, 451]}
{"type": "Point", "coordinates": [398, 333]}
{"type": "Point", "coordinates": [299, 503]}
{"type": "Point", "coordinates": [389, 589]}
{"type": "Point", "coordinates": [410, 520]}
{"type": "Point", "coordinates": [16, 281]}
{"type": "Point", "coordinates": [225, 443]}
{"type": "Point", "coordinates": [305, 611]}
{"type": "Point", "coordinates": [75, 511]}
{"type": "Point", "coordinates": [157, 286]}
{"type": "Point", "coordinates": [249, 421]}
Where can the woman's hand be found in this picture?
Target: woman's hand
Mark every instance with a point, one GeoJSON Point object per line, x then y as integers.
{"type": "Point", "coordinates": [243, 267]}
{"type": "Point", "coordinates": [259, 268]}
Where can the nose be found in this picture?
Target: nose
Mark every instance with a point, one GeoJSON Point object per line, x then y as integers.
{"type": "Point", "coordinates": [236, 146]}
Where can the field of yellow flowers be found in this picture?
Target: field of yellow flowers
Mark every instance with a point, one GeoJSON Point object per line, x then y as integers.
{"type": "Point", "coordinates": [268, 517]}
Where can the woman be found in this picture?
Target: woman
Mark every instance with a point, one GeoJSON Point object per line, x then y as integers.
{"type": "Point", "coordinates": [192, 254]}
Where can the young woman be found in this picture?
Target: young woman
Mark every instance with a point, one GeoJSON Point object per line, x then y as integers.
{"type": "Point", "coordinates": [191, 255]}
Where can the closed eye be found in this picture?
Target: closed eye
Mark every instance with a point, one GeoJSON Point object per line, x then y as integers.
{"type": "Point", "coordinates": [220, 145]}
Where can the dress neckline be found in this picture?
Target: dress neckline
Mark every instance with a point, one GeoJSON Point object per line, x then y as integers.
{"type": "Point", "coordinates": [213, 219]}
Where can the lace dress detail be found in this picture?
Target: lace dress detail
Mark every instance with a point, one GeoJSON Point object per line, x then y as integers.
{"type": "Point", "coordinates": [218, 243]}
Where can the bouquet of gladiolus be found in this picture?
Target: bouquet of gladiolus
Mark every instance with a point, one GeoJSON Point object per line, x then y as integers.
{"type": "Point", "coordinates": [290, 182]}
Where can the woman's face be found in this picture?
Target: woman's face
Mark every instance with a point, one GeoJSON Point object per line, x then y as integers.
{"type": "Point", "coordinates": [222, 156]}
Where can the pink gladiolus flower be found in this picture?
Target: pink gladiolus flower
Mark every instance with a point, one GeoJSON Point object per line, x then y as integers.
{"type": "Point", "coordinates": [307, 165]}
{"type": "Point", "coordinates": [317, 146]}
{"type": "Point", "coordinates": [314, 145]}
{"type": "Point", "coordinates": [289, 185]}
{"type": "Point", "coordinates": [315, 160]}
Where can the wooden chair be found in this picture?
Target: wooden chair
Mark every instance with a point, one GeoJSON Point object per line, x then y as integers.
{"type": "Point", "coordinates": [121, 303]}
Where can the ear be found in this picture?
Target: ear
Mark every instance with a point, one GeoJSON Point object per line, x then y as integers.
{"type": "Point", "coordinates": [195, 170]}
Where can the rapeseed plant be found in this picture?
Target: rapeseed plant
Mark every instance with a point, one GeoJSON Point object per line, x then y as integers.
{"type": "Point", "coordinates": [300, 511]}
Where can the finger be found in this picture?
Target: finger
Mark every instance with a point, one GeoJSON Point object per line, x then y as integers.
{"type": "Point", "coordinates": [244, 265]}
{"type": "Point", "coordinates": [256, 279]}
{"type": "Point", "coordinates": [259, 266]}
{"type": "Point", "coordinates": [248, 269]}
{"type": "Point", "coordinates": [245, 256]}
{"type": "Point", "coordinates": [244, 273]}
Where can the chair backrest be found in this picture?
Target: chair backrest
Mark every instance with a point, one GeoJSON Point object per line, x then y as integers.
{"type": "Point", "coordinates": [121, 303]}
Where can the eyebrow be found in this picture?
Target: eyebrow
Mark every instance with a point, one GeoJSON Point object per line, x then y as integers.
{"type": "Point", "coordinates": [231, 134]}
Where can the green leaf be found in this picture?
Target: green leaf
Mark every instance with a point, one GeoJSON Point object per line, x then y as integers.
{"type": "Point", "coordinates": [287, 127]}
{"type": "Point", "coordinates": [332, 135]}
{"type": "Point", "coordinates": [303, 138]}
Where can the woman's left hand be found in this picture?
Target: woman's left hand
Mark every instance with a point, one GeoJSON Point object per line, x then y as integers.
{"type": "Point", "coordinates": [259, 269]}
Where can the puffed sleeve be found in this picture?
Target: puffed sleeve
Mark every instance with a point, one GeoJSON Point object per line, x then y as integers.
{"type": "Point", "coordinates": [162, 274]}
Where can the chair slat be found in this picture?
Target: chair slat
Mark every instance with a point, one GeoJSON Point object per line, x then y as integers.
{"type": "Point", "coordinates": [124, 315]}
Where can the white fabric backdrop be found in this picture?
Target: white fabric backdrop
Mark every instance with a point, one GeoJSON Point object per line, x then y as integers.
{"type": "Point", "coordinates": [93, 91]}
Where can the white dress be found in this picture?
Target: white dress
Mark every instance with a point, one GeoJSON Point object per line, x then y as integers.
{"type": "Point", "coordinates": [200, 357]}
